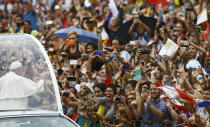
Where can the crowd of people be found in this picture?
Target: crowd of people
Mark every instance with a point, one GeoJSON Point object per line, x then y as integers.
{"type": "Point", "coordinates": [149, 66]}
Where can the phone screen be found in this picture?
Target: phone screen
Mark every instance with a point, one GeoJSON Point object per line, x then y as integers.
{"type": "Point", "coordinates": [71, 78]}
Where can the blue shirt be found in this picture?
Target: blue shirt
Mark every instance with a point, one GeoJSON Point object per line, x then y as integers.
{"type": "Point", "coordinates": [161, 105]}
{"type": "Point", "coordinates": [31, 16]}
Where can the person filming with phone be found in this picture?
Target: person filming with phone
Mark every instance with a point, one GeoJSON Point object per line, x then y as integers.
{"type": "Point", "coordinates": [72, 46]}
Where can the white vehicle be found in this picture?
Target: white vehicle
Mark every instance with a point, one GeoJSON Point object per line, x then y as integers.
{"type": "Point", "coordinates": [29, 94]}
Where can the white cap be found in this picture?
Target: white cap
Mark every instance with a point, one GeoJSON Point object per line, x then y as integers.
{"type": "Point", "coordinates": [87, 3]}
{"type": "Point", "coordinates": [57, 7]}
{"type": "Point", "coordinates": [15, 65]}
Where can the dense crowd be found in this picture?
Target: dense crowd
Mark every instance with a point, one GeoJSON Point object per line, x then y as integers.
{"type": "Point", "coordinates": [148, 65]}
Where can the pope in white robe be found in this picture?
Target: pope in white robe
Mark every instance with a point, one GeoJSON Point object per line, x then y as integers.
{"type": "Point", "coordinates": [15, 89]}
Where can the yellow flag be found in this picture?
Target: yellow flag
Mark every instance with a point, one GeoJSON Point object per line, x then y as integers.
{"type": "Point", "coordinates": [85, 124]}
{"type": "Point", "coordinates": [177, 2]}
{"type": "Point", "coordinates": [91, 1]}
{"type": "Point", "coordinates": [101, 110]}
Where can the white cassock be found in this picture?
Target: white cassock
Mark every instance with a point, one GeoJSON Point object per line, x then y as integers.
{"type": "Point", "coordinates": [15, 89]}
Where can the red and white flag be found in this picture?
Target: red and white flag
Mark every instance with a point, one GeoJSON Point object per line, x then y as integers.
{"type": "Point", "coordinates": [174, 92]}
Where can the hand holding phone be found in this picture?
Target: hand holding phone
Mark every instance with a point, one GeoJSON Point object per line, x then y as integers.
{"type": "Point", "coordinates": [71, 78]}
{"type": "Point", "coordinates": [69, 42]}
{"type": "Point", "coordinates": [66, 94]}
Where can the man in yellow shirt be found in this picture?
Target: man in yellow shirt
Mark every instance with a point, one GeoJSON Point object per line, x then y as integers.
{"type": "Point", "coordinates": [19, 25]}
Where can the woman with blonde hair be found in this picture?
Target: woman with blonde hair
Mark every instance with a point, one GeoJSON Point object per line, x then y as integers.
{"type": "Point", "coordinates": [72, 47]}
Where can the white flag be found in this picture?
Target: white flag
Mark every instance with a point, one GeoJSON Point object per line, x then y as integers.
{"type": "Point", "coordinates": [169, 48]}
{"type": "Point", "coordinates": [113, 8]}
{"type": "Point", "coordinates": [202, 17]}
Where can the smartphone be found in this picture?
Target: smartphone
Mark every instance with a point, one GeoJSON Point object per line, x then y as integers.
{"type": "Point", "coordinates": [108, 49]}
{"type": "Point", "coordinates": [66, 94]}
{"type": "Point", "coordinates": [73, 62]}
{"type": "Point", "coordinates": [125, 67]}
{"type": "Point", "coordinates": [49, 22]}
{"type": "Point", "coordinates": [71, 78]}
{"type": "Point", "coordinates": [60, 71]}
{"type": "Point", "coordinates": [136, 16]}
{"type": "Point", "coordinates": [137, 74]}
{"type": "Point", "coordinates": [132, 42]}
{"type": "Point", "coordinates": [185, 42]}
{"type": "Point", "coordinates": [166, 57]}
{"type": "Point", "coordinates": [78, 66]}
{"type": "Point", "coordinates": [144, 89]}
{"type": "Point", "coordinates": [69, 42]}
{"type": "Point", "coordinates": [169, 78]}
{"type": "Point", "coordinates": [86, 19]}
{"type": "Point", "coordinates": [189, 9]}
{"type": "Point", "coordinates": [86, 56]}
{"type": "Point", "coordinates": [98, 52]}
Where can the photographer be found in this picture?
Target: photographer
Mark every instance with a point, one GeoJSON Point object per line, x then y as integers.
{"type": "Point", "coordinates": [122, 55]}
{"type": "Point", "coordinates": [142, 31]}
{"type": "Point", "coordinates": [69, 101]}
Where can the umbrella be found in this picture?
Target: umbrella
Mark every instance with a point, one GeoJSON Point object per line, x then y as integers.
{"type": "Point", "coordinates": [84, 36]}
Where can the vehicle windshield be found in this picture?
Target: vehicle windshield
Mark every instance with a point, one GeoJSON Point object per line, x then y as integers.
{"type": "Point", "coordinates": [25, 79]}
{"type": "Point", "coordinates": [38, 121]}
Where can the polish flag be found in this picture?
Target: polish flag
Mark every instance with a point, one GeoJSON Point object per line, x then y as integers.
{"type": "Point", "coordinates": [174, 103]}
{"type": "Point", "coordinates": [174, 92]}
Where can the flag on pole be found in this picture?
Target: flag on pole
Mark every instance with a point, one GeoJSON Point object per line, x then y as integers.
{"type": "Point", "coordinates": [105, 38]}
{"type": "Point", "coordinates": [202, 17]}
{"type": "Point", "coordinates": [113, 8]}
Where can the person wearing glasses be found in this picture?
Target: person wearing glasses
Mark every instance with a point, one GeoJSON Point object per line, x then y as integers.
{"type": "Point", "coordinates": [71, 46]}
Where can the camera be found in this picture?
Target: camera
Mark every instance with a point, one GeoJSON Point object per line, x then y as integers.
{"type": "Point", "coordinates": [134, 50]}
{"type": "Point", "coordinates": [144, 51]}
{"type": "Point", "coordinates": [60, 71]}
{"type": "Point", "coordinates": [117, 98]}
{"type": "Point", "coordinates": [122, 90]}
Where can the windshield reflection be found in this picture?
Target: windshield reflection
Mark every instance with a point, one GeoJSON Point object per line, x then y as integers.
{"type": "Point", "coordinates": [39, 121]}
{"type": "Point", "coordinates": [28, 86]}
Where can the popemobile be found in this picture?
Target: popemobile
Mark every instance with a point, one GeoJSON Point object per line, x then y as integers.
{"type": "Point", "coordinates": [29, 95]}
